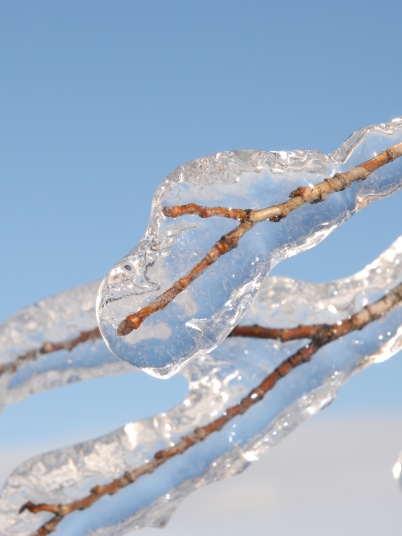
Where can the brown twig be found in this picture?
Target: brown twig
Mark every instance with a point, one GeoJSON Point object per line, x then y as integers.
{"type": "Point", "coordinates": [248, 218]}
{"type": "Point", "coordinates": [228, 242]}
{"type": "Point", "coordinates": [206, 212]}
{"type": "Point", "coordinates": [49, 347]}
{"type": "Point", "coordinates": [281, 334]}
{"type": "Point", "coordinates": [319, 335]}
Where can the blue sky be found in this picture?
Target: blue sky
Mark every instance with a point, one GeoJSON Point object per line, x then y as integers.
{"type": "Point", "coordinates": [100, 100]}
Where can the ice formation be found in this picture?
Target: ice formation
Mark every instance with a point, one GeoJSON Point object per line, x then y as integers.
{"type": "Point", "coordinates": [217, 380]}
{"type": "Point", "coordinates": [26, 364]}
{"type": "Point", "coordinates": [200, 318]}
{"type": "Point", "coordinates": [57, 340]}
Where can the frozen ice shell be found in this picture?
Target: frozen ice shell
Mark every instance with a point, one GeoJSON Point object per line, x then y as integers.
{"type": "Point", "coordinates": [26, 364]}
{"type": "Point", "coordinates": [200, 318]}
{"type": "Point", "coordinates": [217, 380]}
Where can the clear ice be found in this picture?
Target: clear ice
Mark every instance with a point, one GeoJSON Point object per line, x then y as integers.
{"type": "Point", "coordinates": [194, 325]}
{"type": "Point", "coordinates": [200, 318]}
{"type": "Point", "coordinates": [217, 380]}
{"type": "Point", "coordinates": [26, 370]}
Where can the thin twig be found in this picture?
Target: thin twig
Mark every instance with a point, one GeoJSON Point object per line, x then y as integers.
{"type": "Point", "coordinates": [280, 334]}
{"type": "Point", "coordinates": [248, 218]}
{"type": "Point", "coordinates": [228, 242]}
{"type": "Point", "coordinates": [320, 335]}
{"type": "Point", "coordinates": [206, 212]}
{"type": "Point", "coordinates": [49, 347]}
{"type": "Point", "coordinates": [94, 334]}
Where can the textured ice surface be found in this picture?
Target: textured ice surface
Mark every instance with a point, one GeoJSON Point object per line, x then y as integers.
{"type": "Point", "coordinates": [202, 316]}
{"type": "Point", "coordinates": [217, 381]}
{"type": "Point", "coordinates": [26, 370]}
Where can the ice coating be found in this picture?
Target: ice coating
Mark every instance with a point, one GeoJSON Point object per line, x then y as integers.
{"type": "Point", "coordinates": [26, 367]}
{"type": "Point", "coordinates": [199, 318]}
{"type": "Point", "coordinates": [216, 381]}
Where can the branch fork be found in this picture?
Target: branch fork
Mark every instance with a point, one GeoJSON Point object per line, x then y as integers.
{"type": "Point", "coordinates": [319, 336]}
{"type": "Point", "coordinates": [248, 218]}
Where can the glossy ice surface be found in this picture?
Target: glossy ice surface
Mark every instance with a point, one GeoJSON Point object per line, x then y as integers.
{"type": "Point", "coordinates": [56, 319]}
{"type": "Point", "coordinates": [216, 381]}
{"type": "Point", "coordinates": [193, 326]}
{"type": "Point", "coordinates": [199, 318]}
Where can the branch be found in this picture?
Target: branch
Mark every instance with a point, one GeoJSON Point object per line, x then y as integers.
{"type": "Point", "coordinates": [225, 244]}
{"type": "Point", "coordinates": [206, 212]}
{"type": "Point", "coordinates": [281, 334]}
{"type": "Point", "coordinates": [49, 347]}
{"type": "Point", "coordinates": [301, 332]}
{"type": "Point", "coordinates": [248, 218]}
{"type": "Point", "coordinates": [319, 335]}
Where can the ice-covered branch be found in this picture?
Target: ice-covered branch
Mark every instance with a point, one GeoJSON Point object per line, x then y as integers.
{"type": "Point", "coordinates": [182, 316]}
{"type": "Point", "coordinates": [321, 335]}
{"type": "Point", "coordinates": [300, 196]}
{"type": "Point", "coordinates": [248, 218]}
{"type": "Point", "coordinates": [158, 344]}
{"type": "Point", "coordinates": [236, 408]}
{"type": "Point", "coordinates": [51, 343]}
{"type": "Point", "coordinates": [221, 426]}
{"type": "Point", "coordinates": [48, 348]}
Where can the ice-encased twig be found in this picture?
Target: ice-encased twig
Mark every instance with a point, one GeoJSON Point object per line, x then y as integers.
{"type": "Point", "coordinates": [199, 317]}
{"type": "Point", "coordinates": [248, 218]}
{"type": "Point", "coordinates": [216, 381]}
{"type": "Point", "coordinates": [321, 335]}
{"type": "Point", "coordinates": [25, 331]}
{"type": "Point", "coordinates": [38, 350]}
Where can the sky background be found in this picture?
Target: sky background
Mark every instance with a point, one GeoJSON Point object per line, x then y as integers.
{"type": "Point", "coordinates": [99, 101]}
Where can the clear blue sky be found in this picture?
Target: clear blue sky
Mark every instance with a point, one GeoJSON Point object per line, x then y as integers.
{"type": "Point", "coordinates": [100, 100]}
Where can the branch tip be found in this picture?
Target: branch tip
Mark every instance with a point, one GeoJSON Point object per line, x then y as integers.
{"type": "Point", "coordinates": [127, 325]}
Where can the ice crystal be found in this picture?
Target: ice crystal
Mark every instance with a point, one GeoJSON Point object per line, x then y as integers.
{"type": "Point", "coordinates": [201, 317]}
{"type": "Point", "coordinates": [217, 380]}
